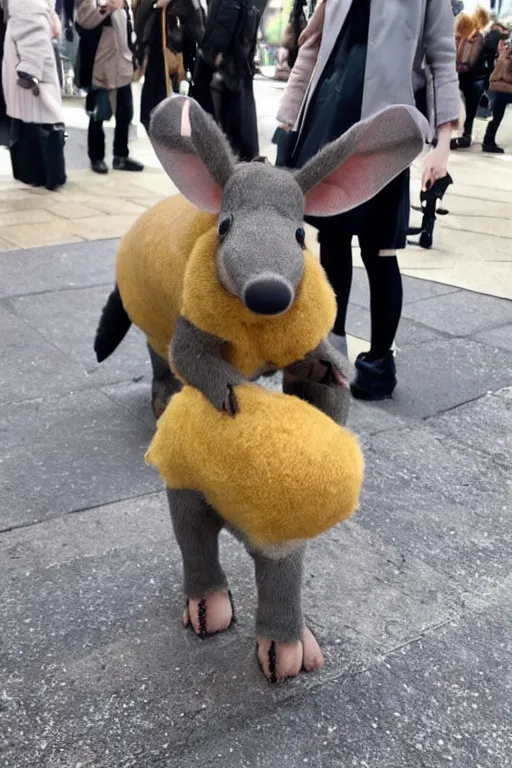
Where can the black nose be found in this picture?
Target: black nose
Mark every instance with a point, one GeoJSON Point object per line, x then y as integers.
{"type": "Point", "coordinates": [268, 296]}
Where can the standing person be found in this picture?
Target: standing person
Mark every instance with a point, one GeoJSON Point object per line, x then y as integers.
{"type": "Point", "coordinates": [500, 87]}
{"type": "Point", "coordinates": [32, 93]}
{"type": "Point", "coordinates": [168, 35]}
{"type": "Point", "coordinates": [223, 81]}
{"type": "Point", "coordinates": [355, 59]}
{"type": "Point", "coordinates": [472, 66]}
{"type": "Point", "coordinates": [106, 68]}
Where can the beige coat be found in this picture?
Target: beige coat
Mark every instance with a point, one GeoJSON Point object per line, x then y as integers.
{"type": "Point", "coordinates": [501, 78]}
{"type": "Point", "coordinates": [403, 36]}
{"type": "Point", "coordinates": [113, 64]}
{"type": "Point", "coordinates": [28, 48]}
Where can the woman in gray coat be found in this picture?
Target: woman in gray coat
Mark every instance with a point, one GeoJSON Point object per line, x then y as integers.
{"type": "Point", "coordinates": [356, 58]}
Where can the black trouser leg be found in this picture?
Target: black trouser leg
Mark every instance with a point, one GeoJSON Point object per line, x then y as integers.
{"type": "Point", "coordinates": [200, 90]}
{"type": "Point", "coordinates": [473, 92]}
{"type": "Point", "coordinates": [95, 141]}
{"type": "Point", "coordinates": [124, 116]}
{"type": "Point", "coordinates": [336, 259]}
{"type": "Point", "coordinates": [239, 121]}
{"type": "Point", "coordinates": [499, 105]}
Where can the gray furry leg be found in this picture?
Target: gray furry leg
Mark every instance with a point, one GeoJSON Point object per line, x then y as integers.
{"type": "Point", "coordinates": [279, 584]}
{"type": "Point", "coordinates": [165, 384]}
{"type": "Point", "coordinates": [321, 379]}
{"type": "Point", "coordinates": [334, 401]}
{"type": "Point", "coordinates": [197, 527]}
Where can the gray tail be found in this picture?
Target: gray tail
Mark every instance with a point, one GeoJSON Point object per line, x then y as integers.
{"type": "Point", "coordinates": [113, 327]}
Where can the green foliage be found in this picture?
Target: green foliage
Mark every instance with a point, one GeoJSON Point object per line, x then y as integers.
{"type": "Point", "coordinates": [275, 21]}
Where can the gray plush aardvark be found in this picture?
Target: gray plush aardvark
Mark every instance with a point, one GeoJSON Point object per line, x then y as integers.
{"type": "Point", "coordinates": [249, 217]}
{"type": "Point", "coordinates": [260, 253]}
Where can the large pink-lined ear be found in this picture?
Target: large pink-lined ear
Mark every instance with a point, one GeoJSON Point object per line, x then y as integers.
{"type": "Point", "coordinates": [360, 163]}
{"type": "Point", "coordinates": [193, 151]}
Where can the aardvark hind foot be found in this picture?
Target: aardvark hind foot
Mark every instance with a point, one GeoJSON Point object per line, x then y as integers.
{"type": "Point", "coordinates": [211, 614]}
{"type": "Point", "coordinates": [281, 660]}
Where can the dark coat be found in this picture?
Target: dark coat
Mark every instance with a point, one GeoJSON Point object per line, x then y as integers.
{"type": "Point", "coordinates": [232, 30]}
{"type": "Point", "coordinates": [181, 38]}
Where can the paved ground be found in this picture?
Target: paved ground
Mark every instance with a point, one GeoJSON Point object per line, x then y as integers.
{"type": "Point", "coordinates": [411, 600]}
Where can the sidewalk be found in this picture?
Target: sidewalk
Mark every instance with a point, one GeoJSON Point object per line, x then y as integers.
{"type": "Point", "coordinates": [411, 600]}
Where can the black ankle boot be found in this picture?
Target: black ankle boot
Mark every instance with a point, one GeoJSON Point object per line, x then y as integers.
{"type": "Point", "coordinates": [489, 145]}
{"type": "Point", "coordinates": [375, 379]}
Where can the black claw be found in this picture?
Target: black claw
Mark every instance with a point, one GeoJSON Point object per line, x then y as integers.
{"type": "Point", "coordinates": [233, 614]}
{"type": "Point", "coordinates": [272, 662]}
{"type": "Point", "coordinates": [230, 401]}
{"type": "Point", "coordinates": [201, 611]}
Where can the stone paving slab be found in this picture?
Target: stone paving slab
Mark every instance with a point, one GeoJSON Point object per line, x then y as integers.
{"type": "Point", "coordinates": [69, 319]}
{"type": "Point", "coordinates": [135, 396]}
{"type": "Point", "coordinates": [436, 464]}
{"type": "Point", "coordinates": [66, 453]}
{"type": "Point", "coordinates": [455, 515]}
{"type": "Point", "coordinates": [51, 269]}
{"type": "Point", "coordinates": [485, 425]}
{"type": "Point", "coordinates": [460, 314]}
{"type": "Point", "coordinates": [30, 366]}
{"type": "Point", "coordinates": [439, 375]}
{"type": "Point", "coordinates": [498, 337]}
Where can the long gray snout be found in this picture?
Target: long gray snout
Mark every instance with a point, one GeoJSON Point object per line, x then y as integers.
{"type": "Point", "coordinates": [268, 296]}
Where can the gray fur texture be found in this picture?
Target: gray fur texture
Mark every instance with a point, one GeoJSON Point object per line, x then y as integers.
{"type": "Point", "coordinates": [382, 145]}
{"type": "Point", "coordinates": [266, 207]}
{"type": "Point", "coordinates": [278, 579]}
{"type": "Point", "coordinates": [206, 140]}
{"type": "Point", "coordinates": [198, 357]}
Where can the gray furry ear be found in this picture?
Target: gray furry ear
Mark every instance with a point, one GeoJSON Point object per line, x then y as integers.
{"type": "Point", "coordinates": [360, 163]}
{"type": "Point", "coordinates": [193, 151]}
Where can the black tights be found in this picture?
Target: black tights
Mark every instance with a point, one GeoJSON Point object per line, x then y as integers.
{"type": "Point", "coordinates": [472, 91]}
{"type": "Point", "coordinates": [385, 287]}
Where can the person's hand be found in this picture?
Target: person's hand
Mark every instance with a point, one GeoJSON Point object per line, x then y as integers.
{"type": "Point", "coordinates": [435, 167]}
{"type": "Point", "coordinates": [285, 127]}
{"type": "Point", "coordinates": [161, 3]}
{"type": "Point", "coordinates": [218, 60]}
{"type": "Point", "coordinates": [56, 26]}
{"type": "Point", "coordinates": [114, 5]}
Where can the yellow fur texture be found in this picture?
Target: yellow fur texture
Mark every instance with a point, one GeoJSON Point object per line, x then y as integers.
{"type": "Point", "coordinates": [166, 265]}
{"type": "Point", "coordinates": [151, 263]}
{"type": "Point", "coordinates": [256, 341]}
{"type": "Point", "coordinates": [279, 470]}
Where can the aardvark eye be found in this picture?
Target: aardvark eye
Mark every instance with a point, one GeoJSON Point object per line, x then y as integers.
{"type": "Point", "coordinates": [225, 222]}
{"type": "Point", "coordinates": [301, 236]}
